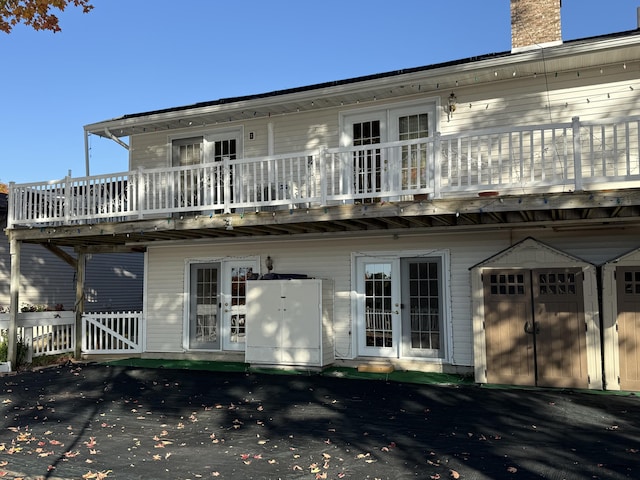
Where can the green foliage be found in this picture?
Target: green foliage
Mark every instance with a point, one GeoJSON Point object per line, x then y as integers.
{"type": "Point", "coordinates": [22, 351]}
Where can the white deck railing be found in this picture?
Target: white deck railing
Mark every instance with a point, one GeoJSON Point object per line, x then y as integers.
{"type": "Point", "coordinates": [44, 333]}
{"type": "Point", "coordinates": [573, 156]}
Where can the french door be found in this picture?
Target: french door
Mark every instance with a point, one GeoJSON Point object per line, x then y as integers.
{"type": "Point", "coordinates": [365, 131]}
{"type": "Point", "coordinates": [217, 304]}
{"type": "Point", "coordinates": [187, 152]}
{"type": "Point", "coordinates": [220, 148]}
{"type": "Point", "coordinates": [400, 307]}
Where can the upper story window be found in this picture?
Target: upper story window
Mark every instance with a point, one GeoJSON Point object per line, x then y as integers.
{"type": "Point", "coordinates": [210, 147]}
{"type": "Point", "coordinates": [187, 151]}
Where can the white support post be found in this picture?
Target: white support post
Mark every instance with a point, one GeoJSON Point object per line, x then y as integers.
{"type": "Point", "coordinates": [11, 213]}
{"type": "Point", "coordinates": [226, 169]}
{"type": "Point", "coordinates": [577, 154]}
{"type": "Point", "coordinates": [139, 197]}
{"type": "Point", "coordinates": [67, 199]}
{"type": "Point", "coordinates": [322, 167]}
{"type": "Point", "coordinates": [437, 168]}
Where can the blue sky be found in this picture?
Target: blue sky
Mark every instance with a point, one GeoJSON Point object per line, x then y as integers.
{"type": "Point", "coordinates": [130, 56]}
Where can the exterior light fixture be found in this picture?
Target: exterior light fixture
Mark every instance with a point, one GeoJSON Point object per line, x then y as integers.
{"type": "Point", "coordinates": [451, 106]}
{"type": "Point", "coordinates": [452, 103]}
{"type": "Point", "coordinates": [269, 264]}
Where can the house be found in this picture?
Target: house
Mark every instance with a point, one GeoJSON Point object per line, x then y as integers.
{"type": "Point", "coordinates": [450, 218]}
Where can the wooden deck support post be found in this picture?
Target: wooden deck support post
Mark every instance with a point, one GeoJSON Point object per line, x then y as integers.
{"type": "Point", "coordinates": [14, 288]}
{"type": "Point", "coordinates": [79, 308]}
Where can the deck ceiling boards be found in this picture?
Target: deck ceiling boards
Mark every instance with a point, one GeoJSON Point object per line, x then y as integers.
{"type": "Point", "coordinates": [563, 210]}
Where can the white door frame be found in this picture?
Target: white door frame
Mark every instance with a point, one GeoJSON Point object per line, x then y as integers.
{"type": "Point", "coordinates": [226, 263]}
{"type": "Point", "coordinates": [357, 306]}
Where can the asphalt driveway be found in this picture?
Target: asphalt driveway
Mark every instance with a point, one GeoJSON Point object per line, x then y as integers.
{"type": "Point", "coordinates": [94, 421]}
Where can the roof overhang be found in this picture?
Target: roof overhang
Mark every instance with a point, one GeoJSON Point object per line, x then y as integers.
{"type": "Point", "coordinates": [617, 49]}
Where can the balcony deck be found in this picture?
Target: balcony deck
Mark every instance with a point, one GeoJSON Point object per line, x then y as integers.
{"type": "Point", "coordinates": [341, 189]}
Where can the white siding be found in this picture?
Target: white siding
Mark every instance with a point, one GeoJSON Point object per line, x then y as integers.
{"type": "Point", "coordinates": [148, 151]}
{"type": "Point", "coordinates": [589, 95]}
{"type": "Point", "coordinates": [538, 99]}
{"type": "Point", "coordinates": [327, 259]}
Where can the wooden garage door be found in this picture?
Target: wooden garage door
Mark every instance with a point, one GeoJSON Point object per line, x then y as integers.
{"type": "Point", "coordinates": [628, 283]}
{"type": "Point", "coordinates": [507, 309]}
{"type": "Point", "coordinates": [534, 327]}
{"type": "Point", "coordinates": [561, 342]}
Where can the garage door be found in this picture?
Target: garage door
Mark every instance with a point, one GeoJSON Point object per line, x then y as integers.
{"type": "Point", "coordinates": [628, 323]}
{"type": "Point", "coordinates": [535, 327]}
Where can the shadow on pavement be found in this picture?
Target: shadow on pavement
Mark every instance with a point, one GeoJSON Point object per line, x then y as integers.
{"type": "Point", "coordinates": [96, 421]}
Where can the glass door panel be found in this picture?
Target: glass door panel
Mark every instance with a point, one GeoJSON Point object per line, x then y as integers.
{"type": "Point", "coordinates": [204, 303]}
{"type": "Point", "coordinates": [379, 287]}
{"type": "Point", "coordinates": [235, 305]}
{"type": "Point", "coordinates": [367, 160]}
{"type": "Point", "coordinates": [421, 308]}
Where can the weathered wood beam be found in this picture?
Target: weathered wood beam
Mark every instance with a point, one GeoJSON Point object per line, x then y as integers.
{"type": "Point", "coordinates": [58, 252]}
{"type": "Point", "coordinates": [80, 297]}
{"type": "Point", "coordinates": [14, 288]}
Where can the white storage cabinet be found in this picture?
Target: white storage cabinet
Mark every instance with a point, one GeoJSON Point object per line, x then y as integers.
{"type": "Point", "coordinates": [289, 322]}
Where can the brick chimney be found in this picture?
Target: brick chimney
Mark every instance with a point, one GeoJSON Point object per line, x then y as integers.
{"type": "Point", "coordinates": [535, 24]}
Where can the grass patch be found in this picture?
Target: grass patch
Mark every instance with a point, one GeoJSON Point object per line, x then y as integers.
{"type": "Point", "coordinates": [338, 372]}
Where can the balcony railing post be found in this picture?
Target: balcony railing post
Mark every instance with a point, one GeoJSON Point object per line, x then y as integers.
{"type": "Point", "coordinates": [226, 174]}
{"type": "Point", "coordinates": [437, 166]}
{"type": "Point", "coordinates": [322, 162]}
{"type": "Point", "coordinates": [67, 199]}
{"type": "Point", "coordinates": [139, 196]}
{"type": "Point", "coordinates": [577, 153]}
{"type": "Point", "coordinates": [11, 215]}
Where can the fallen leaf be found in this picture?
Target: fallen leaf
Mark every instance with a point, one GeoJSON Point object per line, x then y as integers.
{"type": "Point", "coordinates": [454, 474]}
{"type": "Point", "coordinates": [512, 469]}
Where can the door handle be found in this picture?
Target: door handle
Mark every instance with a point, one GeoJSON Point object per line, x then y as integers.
{"type": "Point", "coordinates": [532, 328]}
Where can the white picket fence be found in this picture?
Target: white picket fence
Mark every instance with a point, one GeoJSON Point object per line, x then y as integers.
{"type": "Point", "coordinates": [112, 333]}
{"type": "Point", "coordinates": [53, 333]}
